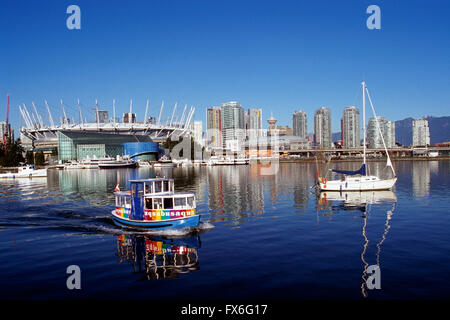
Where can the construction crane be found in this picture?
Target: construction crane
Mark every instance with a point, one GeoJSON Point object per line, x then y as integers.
{"type": "Point", "coordinates": [6, 131]}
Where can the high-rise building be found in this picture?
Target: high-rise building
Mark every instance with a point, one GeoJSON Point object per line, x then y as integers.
{"type": "Point", "coordinates": [128, 117]}
{"type": "Point", "coordinates": [253, 124]}
{"type": "Point", "coordinates": [214, 127]}
{"type": "Point", "coordinates": [351, 130]}
{"type": "Point", "coordinates": [322, 128]}
{"type": "Point", "coordinates": [387, 129]}
{"type": "Point", "coordinates": [421, 133]}
{"type": "Point", "coordinates": [254, 121]}
{"type": "Point", "coordinates": [197, 131]}
{"type": "Point", "coordinates": [233, 122]}
{"type": "Point", "coordinates": [299, 124]}
{"type": "Point", "coordinates": [5, 130]}
{"type": "Point", "coordinates": [390, 129]}
{"type": "Point", "coordinates": [101, 116]}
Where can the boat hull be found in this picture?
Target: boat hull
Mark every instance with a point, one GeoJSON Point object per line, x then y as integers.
{"type": "Point", "coordinates": [185, 222]}
{"type": "Point", "coordinates": [362, 185]}
{"type": "Point", "coordinates": [40, 173]}
{"type": "Point", "coordinates": [117, 165]}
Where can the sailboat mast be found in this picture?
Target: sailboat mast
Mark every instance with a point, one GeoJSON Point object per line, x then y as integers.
{"type": "Point", "coordinates": [364, 121]}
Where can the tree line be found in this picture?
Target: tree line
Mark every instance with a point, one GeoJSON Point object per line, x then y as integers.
{"type": "Point", "coordinates": [12, 154]}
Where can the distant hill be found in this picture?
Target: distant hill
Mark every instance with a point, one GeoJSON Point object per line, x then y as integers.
{"type": "Point", "coordinates": [439, 130]}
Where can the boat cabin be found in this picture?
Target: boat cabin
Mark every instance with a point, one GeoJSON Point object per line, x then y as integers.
{"type": "Point", "coordinates": [151, 199]}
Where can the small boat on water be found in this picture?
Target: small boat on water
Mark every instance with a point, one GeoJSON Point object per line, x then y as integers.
{"type": "Point", "coordinates": [220, 161]}
{"type": "Point", "coordinates": [144, 164]}
{"type": "Point", "coordinates": [69, 165]}
{"type": "Point", "coordinates": [164, 162]}
{"type": "Point", "coordinates": [119, 162]}
{"type": "Point", "coordinates": [241, 161]}
{"type": "Point", "coordinates": [27, 171]}
{"type": "Point", "coordinates": [153, 204]}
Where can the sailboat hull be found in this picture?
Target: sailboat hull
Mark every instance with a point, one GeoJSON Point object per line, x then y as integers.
{"type": "Point", "coordinates": [362, 183]}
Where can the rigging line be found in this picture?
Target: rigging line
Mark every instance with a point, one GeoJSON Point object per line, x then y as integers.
{"type": "Point", "coordinates": [366, 244]}
{"type": "Point", "coordinates": [379, 131]}
{"type": "Point", "coordinates": [386, 230]}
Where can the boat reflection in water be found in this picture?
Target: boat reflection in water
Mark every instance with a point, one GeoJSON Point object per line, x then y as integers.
{"type": "Point", "coordinates": [365, 202]}
{"type": "Point", "coordinates": [157, 257]}
{"type": "Point", "coordinates": [354, 199]}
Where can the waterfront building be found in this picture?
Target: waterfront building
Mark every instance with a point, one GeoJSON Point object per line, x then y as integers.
{"type": "Point", "coordinates": [233, 122]}
{"type": "Point", "coordinates": [322, 128]}
{"type": "Point", "coordinates": [387, 129]}
{"type": "Point", "coordinates": [253, 123]}
{"type": "Point", "coordinates": [351, 130]}
{"type": "Point", "coordinates": [128, 117]}
{"type": "Point", "coordinates": [5, 129]}
{"type": "Point", "coordinates": [390, 129]}
{"type": "Point", "coordinates": [272, 121]}
{"type": "Point", "coordinates": [196, 128]}
{"type": "Point", "coordinates": [275, 130]}
{"type": "Point", "coordinates": [299, 124]}
{"type": "Point", "coordinates": [26, 142]}
{"type": "Point", "coordinates": [101, 116]}
{"type": "Point", "coordinates": [214, 127]}
{"type": "Point", "coordinates": [421, 133]}
{"type": "Point", "coordinates": [73, 145]}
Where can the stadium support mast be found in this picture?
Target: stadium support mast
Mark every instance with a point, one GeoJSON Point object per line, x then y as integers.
{"type": "Point", "coordinates": [49, 115]}
{"type": "Point", "coordinates": [160, 113]}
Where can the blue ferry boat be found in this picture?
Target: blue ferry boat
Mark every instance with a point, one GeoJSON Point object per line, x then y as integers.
{"type": "Point", "coordinates": [153, 204]}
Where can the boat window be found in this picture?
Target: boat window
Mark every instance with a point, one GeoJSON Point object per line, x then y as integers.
{"type": "Point", "coordinates": [118, 201]}
{"type": "Point", "coordinates": [180, 202]}
{"type": "Point", "coordinates": [168, 203]}
{"type": "Point", "coordinates": [126, 201]}
{"type": "Point", "coordinates": [157, 203]}
{"type": "Point", "coordinates": [148, 203]}
{"type": "Point", "coordinates": [148, 187]}
{"type": "Point", "coordinates": [190, 201]}
{"type": "Point", "coordinates": [158, 186]}
{"type": "Point", "coordinates": [166, 186]}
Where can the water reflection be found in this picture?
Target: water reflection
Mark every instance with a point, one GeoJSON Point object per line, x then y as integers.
{"type": "Point", "coordinates": [233, 192]}
{"type": "Point", "coordinates": [367, 202]}
{"type": "Point", "coordinates": [159, 258]}
{"type": "Point", "coordinates": [421, 177]}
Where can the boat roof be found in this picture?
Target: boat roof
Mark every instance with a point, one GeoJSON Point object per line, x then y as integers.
{"type": "Point", "coordinates": [152, 179]}
{"type": "Point", "coordinates": [159, 194]}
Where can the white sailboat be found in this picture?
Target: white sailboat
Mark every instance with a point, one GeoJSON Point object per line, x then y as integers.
{"type": "Point", "coordinates": [359, 180]}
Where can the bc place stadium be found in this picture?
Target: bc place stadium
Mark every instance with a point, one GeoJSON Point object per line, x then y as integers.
{"type": "Point", "coordinates": [104, 136]}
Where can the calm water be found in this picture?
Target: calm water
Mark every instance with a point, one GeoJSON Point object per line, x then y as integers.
{"type": "Point", "coordinates": [272, 237]}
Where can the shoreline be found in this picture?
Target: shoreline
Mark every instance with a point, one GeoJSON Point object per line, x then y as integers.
{"type": "Point", "coordinates": [439, 158]}
{"type": "Point", "coordinates": [371, 160]}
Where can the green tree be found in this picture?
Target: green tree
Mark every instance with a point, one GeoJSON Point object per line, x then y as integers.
{"type": "Point", "coordinates": [29, 157]}
{"type": "Point", "coordinates": [39, 158]}
{"type": "Point", "coordinates": [13, 155]}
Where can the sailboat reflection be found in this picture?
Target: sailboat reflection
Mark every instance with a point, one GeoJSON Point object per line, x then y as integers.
{"type": "Point", "coordinates": [158, 257]}
{"type": "Point", "coordinates": [357, 199]}
{"type": "Point", "coordinates": [364, 201]}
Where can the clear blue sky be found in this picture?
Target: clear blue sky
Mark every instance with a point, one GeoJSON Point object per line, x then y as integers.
{"type": "Point", "coordinates": [279, 56]}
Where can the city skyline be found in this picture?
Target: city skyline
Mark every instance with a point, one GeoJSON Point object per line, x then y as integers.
{"type": "Point", "coordinates": [293, 62]}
